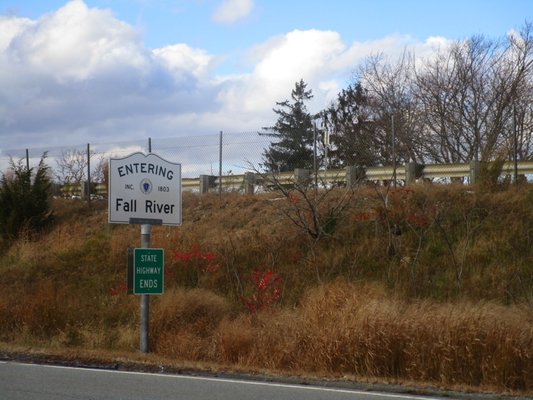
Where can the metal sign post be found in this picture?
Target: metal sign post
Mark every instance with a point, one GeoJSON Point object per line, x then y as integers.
{"type": "Point", "coordinates": [144, 190]}
{"type": "Point", "coordinates": [146, 231]}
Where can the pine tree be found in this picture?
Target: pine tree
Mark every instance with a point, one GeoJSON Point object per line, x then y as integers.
{"type": "Point", "coordinates": [294, 133]}
{"type": "Point", "coordinates": [24, 202]}
{"type": "Point", "coordinates": [353, 137]}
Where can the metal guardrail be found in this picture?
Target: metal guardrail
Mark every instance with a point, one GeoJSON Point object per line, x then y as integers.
{"type": "Point", "coordinates": [381, 173]}
{"type": "Point", "coordinates": [384, 173]}
{"type": "Point", "coordinates": [524, 167]}
{"type": "Point", "coordinates": [438, 171]}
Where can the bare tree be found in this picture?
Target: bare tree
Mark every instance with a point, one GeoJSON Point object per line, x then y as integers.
{"type": "Point", "coordinates": [518, 96]}
{"type": "Point", "coordinates": [466, 96]}
{"type": "Point", "coordinates": [395, 113]}
{"type": "Point", "coordinates": [524, 126]}
{"type": "Point", "coordinates": [71, 167]}
{"type": "Point", "coordinates": [100, 172]}
{"type": "Point", "coordinates": [460, 105]}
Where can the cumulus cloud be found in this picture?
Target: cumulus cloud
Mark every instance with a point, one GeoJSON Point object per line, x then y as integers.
{"type": "Point", "coordinates": [230, 11]}
{"type": "Point", "coordinates": [11, 27]}
{"type": "Point", "coordinates": [180, 58]}
{"type": "Point", "coordinates": [75, 42]}
{"type": "Point", "coordinates": [309, 55]}
{"type": "Point", "coordinates": [81, 75]}
{"type": "Point", "coordinates": [81, 72]}
{"type": "Point", "coordinates": [321, 58]}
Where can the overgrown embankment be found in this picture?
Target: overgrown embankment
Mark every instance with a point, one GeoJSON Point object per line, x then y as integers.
{"type": "Point", "coordinates": [427, 284]}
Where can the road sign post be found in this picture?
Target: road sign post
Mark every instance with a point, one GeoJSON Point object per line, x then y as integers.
{"type": "Point", "coordinates": [146, 231]}
{"type": "Point", "coordinates": [145, 190]}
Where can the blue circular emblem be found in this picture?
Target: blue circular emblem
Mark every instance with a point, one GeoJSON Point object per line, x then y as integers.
{"type": "Point", "coordinates": [146, 186]}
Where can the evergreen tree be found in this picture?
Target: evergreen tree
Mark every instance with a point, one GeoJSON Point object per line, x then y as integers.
{"type": "Point", "coordinates": [294, 133]}
{"type": "Point", "coordinates": [354, 139]}
{"type": "Point", "coordinates": [24, 202]}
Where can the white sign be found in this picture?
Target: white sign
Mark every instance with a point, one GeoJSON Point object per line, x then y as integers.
{"type": "Point", "coordinates": [144, 189]}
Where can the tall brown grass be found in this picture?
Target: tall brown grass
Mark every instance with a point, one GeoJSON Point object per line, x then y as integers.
{"type": "Point", "coordinates": [429, 284]}
{"type": "Point", "coordinates": [184, 321]}
{"type": "Point", "coordinates": [359, 330]}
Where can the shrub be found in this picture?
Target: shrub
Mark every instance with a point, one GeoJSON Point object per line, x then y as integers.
{"type": "Point", "coordinates": [24, 199]}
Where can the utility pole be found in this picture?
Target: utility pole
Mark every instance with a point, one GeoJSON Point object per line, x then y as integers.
{"type": "Point", "coordinates": [88, 175]}
{"type": "Point", "coordinates": [220, 166]}
{"type": "Point", "coordinates": [393, 152]}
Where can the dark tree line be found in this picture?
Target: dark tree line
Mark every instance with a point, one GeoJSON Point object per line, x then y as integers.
{"type": "Point", "coordinates": [472, 100]}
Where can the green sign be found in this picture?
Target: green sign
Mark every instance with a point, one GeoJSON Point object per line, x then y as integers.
{"type": "Point", "coordinates": [148, 271]}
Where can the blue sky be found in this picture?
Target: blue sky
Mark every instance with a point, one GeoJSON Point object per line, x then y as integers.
{"type": "Point", "coordinates": [86, 70]}
{"type": "Point", "coordinates": [165, 22]}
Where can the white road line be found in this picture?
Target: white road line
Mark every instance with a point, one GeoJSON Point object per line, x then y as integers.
{"type": "Point", "coordinates": [243, 382]}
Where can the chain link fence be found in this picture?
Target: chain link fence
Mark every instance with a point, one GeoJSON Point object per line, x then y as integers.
{"type": "Point", "coordinates": [220, 154]}
{"type": "Point", "coordinates": [224, 155]}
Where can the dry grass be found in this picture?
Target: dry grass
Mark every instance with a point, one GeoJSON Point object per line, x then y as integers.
{"type": "Point", "coordinates": [346, 329]}
{"type": "Point", "coordinates": [183, 323]}
{"type": "Point", "coordinates": [447, 301]}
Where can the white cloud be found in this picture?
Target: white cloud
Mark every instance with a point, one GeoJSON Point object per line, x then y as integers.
{"type": "Point", "coordinates": [309, 55]}
{"type": "Point", "coordinates": [80, 75]}
{"type": "Point", "coordinates": [321, 58]}
{"type": "Point", "coordinates": [79, 72]}
{"type": "Point", "coordinates": [74, 42]}
{"type": "Point", "coordinates": [11, 27]}
{"type": "Point", "coordinates": [230, 11]}
{"type": "Point", "coordinates": [179, 58]}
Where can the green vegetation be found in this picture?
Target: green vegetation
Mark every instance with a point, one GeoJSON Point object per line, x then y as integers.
{"type": "Point", "coordinates": [428, 283]}
{"type": "Point", "coordinates": [24, 199]}
{"type": "Point", "coordinates": [293, 132]}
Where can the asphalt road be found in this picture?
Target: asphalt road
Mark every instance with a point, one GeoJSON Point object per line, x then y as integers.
{"type": "Point", "coordinates": [44, 382]}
